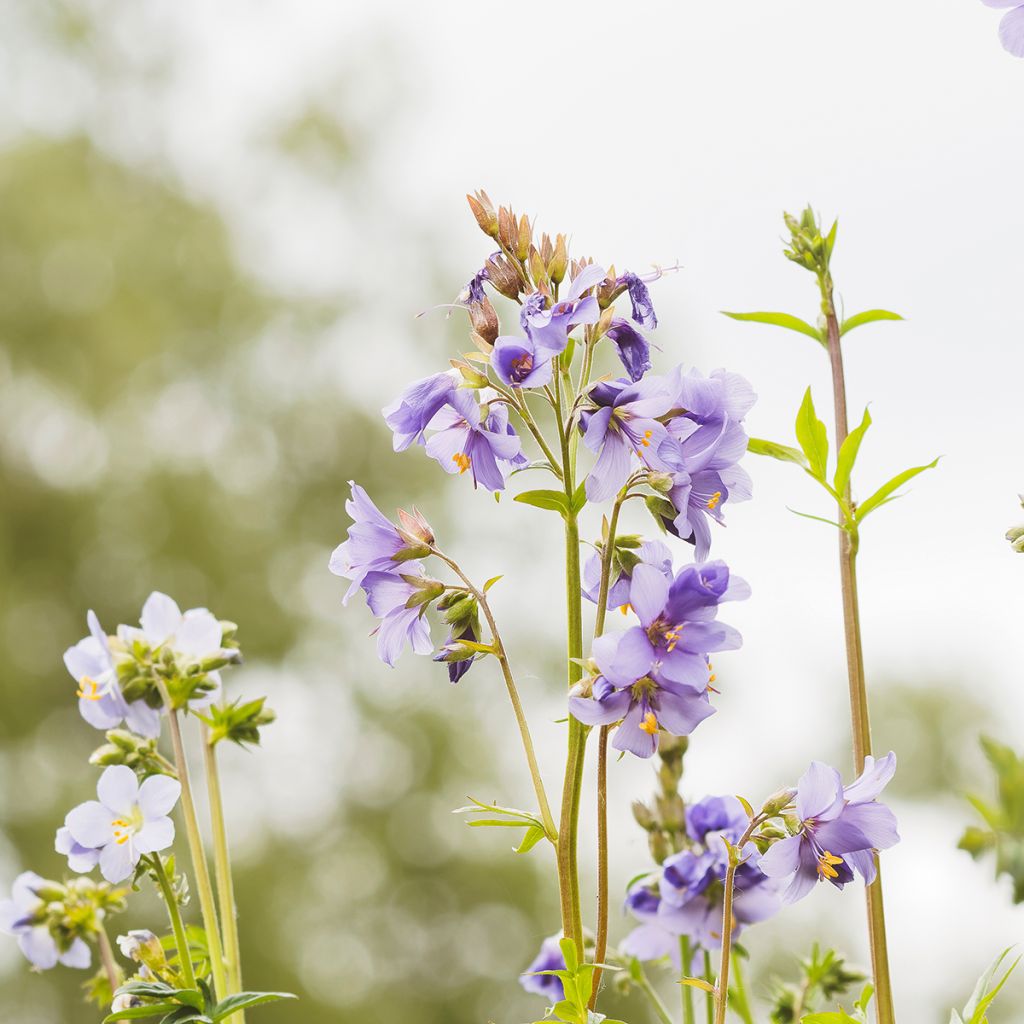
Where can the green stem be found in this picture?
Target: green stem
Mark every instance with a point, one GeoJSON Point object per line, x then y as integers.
{"type": "Point", "coordinates": [174, 913]}
{"type": "Point", "coordinates": [110, 968]}
{"type": "Point", "coordinates": [712, 1000]}
{"type": "Point", "coordinates": [207, 906]}
{"type": "Point", "coordinates": [648, 990]}
{"type": "Point", "coordinates": [527, 417]}
{"type": "Point", "coordinates": [859, 711]}
{"type": "Point", "coordinates": [741, 989]}
{"type": "Point", "coordinates": [685, 956]}
{"type": "Point", "coordinates": [222, 869]}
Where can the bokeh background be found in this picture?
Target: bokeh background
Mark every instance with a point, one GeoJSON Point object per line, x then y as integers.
{"type": "Point", "coordinates": [217, 223]}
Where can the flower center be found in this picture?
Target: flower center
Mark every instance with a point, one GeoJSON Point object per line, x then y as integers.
{"type": "Point", "coordinates": [88, 689]}
{"type": "Point", "coordinates": [826, 865]}
{"type": "Point", "coordinates": [665, 633]}
{"type": "Point", "coordinates": [463, 461]}
{"type": "Point", "coordinates": [650, 723]}
{"type": "Point", "coordinates": [522, 365]}
{"type": "Point", "coordinates": [714, 500]}
{"type": "Point", "coordinates": [125, 828]}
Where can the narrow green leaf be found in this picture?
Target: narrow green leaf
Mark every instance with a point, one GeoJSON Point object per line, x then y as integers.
{"type": "Point", "coordinates": [186, 1015]}
{"type": "Point", "coordinates": [883, 492]}
{"type": "Point", "coordinates": [830, 239]}
{"type": "Point", "coordinates": [496, 823]}
{"type": "Point", "coordinates": [847, 457]}
{"type": "Point", "coordinates": [243, 1000]}
{"type": "Point", "coordinates": [787, 320]}
{"type": "Point", "coordinates": [817, 519]}
{"type": "Point", "coordinates": [782, 452]}
{"type": "Point", "coordinates": [554, 501]}
{"type": "Point", "coordinates": [139, 1012]}
{"type": "Point", "coordinates": [869, 316]}
{"type": "Point", "coordinates": [490, 583]}
{"type": "Point", "coordinates": [698, 983]}
{"type": "Point", "coordinates": [812, 436]}
{"type": "Point", "coordinates": [532, 837]}
{"type": "Point", "coordinates": [579, 499]}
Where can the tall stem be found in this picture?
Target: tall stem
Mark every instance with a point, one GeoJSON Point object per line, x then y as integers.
{"type": "Point", "coordinates": [222, 870]}
{"type": "Point", "coordinates": [174, 913]}
{"type": "Point", "coordinates": [110, 968]}
{"type": "Point", "coordinates": [859, 713]}
{"type": "Point", "coordinates": [207, 906]}
{"type": "Point", "coordinates": [685, 956]}
{"type": "Point", "coordinates": [660, 1010]}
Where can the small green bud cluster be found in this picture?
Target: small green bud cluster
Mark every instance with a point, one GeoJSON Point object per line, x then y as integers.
{"type": "Point", "coordinates": [75, 909]}
{"type": "Point", "coordinates": [238, 722]}
{"type": "Point", "coordinates": [461, 612]}
{"type": "Point", "coordinates": [807, 246]}
{"type": "Point", "coordinates": [139, 753]}
{"type": "Point", "coordinates": [822, 977]}
{"type": "Point", "coordinates": [1015, 535]}
{"type": "Point", "coordinates": [664, 819]}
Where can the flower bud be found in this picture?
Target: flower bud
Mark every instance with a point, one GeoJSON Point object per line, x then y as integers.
{"type": "Point", "coordinates": [538, 269]}
{"type": "Point", "coordinates": [108, 754]}
{"type": "Point", "coordinates": [413, 551]}
{"type": "Point", "coordinates": [51, 892]}
{"type": "Point", "coordinates": [508, 229]}
{"type": "Point", "coordinates": [461, 611]}
{"type": "Point", "coordinates": [777, 802]}
{"type": "Point", "coordinates": [426, 590]}
{"type": "Point", "coordinates": [139, 945]}
{"type": "Point", "coordinates": [660, 846]}
{"type": "Point", "coordinates": [415, 526]}
{"type": "Point", "coordinates": [124, 739]}
{"type": "Point", "coordinates": [559, 260]}
{"type": "Point", "coordinates": [125, 1001]}
{"type": "Point", "coordinates": [643, 816]}
{"type": "Point", "coordinates": [503, 276]}
{"type": "Point", "coordinates": [484, 320]}
{"type": "Point", "coordinates": [525, 238]}
{"type": "Point", "coordinates": [661, 482]}
{"type": "Point", "coordinates": [483, 210]}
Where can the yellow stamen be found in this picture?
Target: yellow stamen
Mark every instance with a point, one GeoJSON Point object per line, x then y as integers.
{"type": "Point", "coordinates": [646, 439]}
{"type": "Point", "coordinates": [714, 500]}
{"type": "Point", "coordinates": [121, 833]}
{"type": "Point", "coordinates": [825, 865]}
{"type": "Point", "coordinates": [624, 608]}
{"type": "Point", "coordinates": [88, 689]}
{"type": "Point", "coordinates": [650, 724]}
{"type": "Point", "coordinates": [462, 460]}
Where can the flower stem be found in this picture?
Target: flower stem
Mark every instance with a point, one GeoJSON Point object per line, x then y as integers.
{"type": "Point", "coordinates": [222, 870]}
{"type": "Point", "coordinates": [685, 956]}
{"type": "Point", "coordinates": [174, 913]}
{"type": "Point", "coordinates": [513, 693]}
{"type": "Point", "coordinates": [859, 713]}
{"type": "Point", "coordinates": [741, 989]}
{"type": "Point", "coordinates": [711, 1000]}
{"type": "Point", "coordinates": [110, 968]}
{"type": "Point", "coordinates": [660, 1010]}
{"type": "Point", "coordinates": [207, 905]}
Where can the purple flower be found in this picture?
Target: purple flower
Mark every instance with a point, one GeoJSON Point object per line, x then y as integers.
{"type": "Point", "coordinates": [650, 552]}
{"type": "Point", "coordinates": [548, 959]}
{"type": "Point", "coordinates": [640, 297]}
{"type": "Point", "coordinates": [80, 858]}
{"type": "Point", "coordinates": [656, 675]}
{"type": "Point", "coordinates": [388, 596]}
{"type": "Point", "coordinates": [623, 423]}
{"type": "Point", "coordinates": [633, 348]}
{"type": "Point", "coordinates": [410, 413]}
{"type": "Point", "coordinates": [840, 829]}
{"type": "Point", "coordinates": [476, 439]}
{"type": "Point", "coordinates": [100, 700]}
{"type": "Point", "coordinates": [1011, 28]}
{"type": "Point", "coordinates": [549, 327]}
{"type": "Point", "coordinates": [374, 543]}
{"type": "Point", "coordinates": [520, 362]}
{"type": "Point", "coordinates": [24, 917]}
{"type": "Point", "coordinates": [127, 821]}
{"type": "Point", "coordinates": [651, 940]}
{"type": "Point", "coordinates": [722, 815]}
{"type": "Point", "coordinates": [457, 669]}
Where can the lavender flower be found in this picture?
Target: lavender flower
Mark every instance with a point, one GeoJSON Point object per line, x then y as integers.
{"type": "Point", "coordinates": [640, 297]}
{"type": "Point", "coordinates": [475, 439]}
{"type": "Point", "coordinates": [24, 916]}
{"type": "Point", "coordinates": [548, 959]}
{"type": "Point", "coordinates": [374, 543]}
{"type": "Point", "coordinates": [389, 597]}
{"type": "Point", "coordinates": [521, 362]}
{"type": "Point", "coordinates": [457, 669]}
{"type": "Point", "coordinates": [410, 413]}
{"type": "Point", "coordinates": [650, 552]}
{"type": "Point", "coordinates": [127, 821]}
{"type": "Point", "coordinates": [840, 828]}
{"type": "Point", "coordinates": [656, 675]}
{"type": "Point", "coordinates": [623, 423]}
{"type": "Point", "coordinates": [100, 701]}
{"type": "Point", "coordinates": [633, 348]}
{"type": "Point", "coordinates": [1011, 28]}
{"type": "Point", "coordinates": [548, 327]}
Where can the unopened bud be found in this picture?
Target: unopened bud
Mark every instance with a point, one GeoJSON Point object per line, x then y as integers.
{"type": "Point", "coordinates": [425, 592]}
{"type": "Point", "coordinates": [483, 210]}
{"type": "Point", "coordinates": [538, 269]}
{"type": "Point", "coordinates": [122, 738]}
{"type": "Point", "coordinates": [778, 801]}
{"type": "Point", "coordinates": [508, 229]}
{"type": "Point", "coordinates": [661, 482]}
{"type": "Point", "coordinates": [559, 261]}
{"type": "Point", "coordinates": [50, 892]}
{"type": "Point", "coordinates": [410, 553]}
{"type": "Point", "coordinates": [108, 754]}
{"type": "Point", "coordinates": [659, 846]}
{"type": "Point", "coordinates": [484, 320]}
{"type": "Point", "coordinates": [525, 239]}
{"type": "Point", "coordinates": [415, 526]}
{"type": "Point", "coordinates": [503, 276]}
{"type": "Point", "coordinates": [643, 816]}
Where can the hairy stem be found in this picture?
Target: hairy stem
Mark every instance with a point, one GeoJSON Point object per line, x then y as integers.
{"type": "Point", "coordinates": [859, 713]}
{"type": "Point", "coordinates": [222, 870]}
{"type": "Point", "coordinates": [188, 977]}
{"type": "Point", "coordinates": [207, 906]}
{"type": "Point", "coordinates": [110, 968]}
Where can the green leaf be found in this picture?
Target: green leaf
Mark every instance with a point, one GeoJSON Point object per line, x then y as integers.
{"type": "Point", "coordinates": [817, 519]}
{"type": "Point", "coordinates": [983, 995]}
{"type": "Point", "coordinates": [579, 499]}
{"type": "Point", "coordinates": [867, 317]}
{"type": "Point", "coordinates": [883, 492]}
{"type": "Point", "coordinates": [782, 452]}
{"type": "Point", "coordinates": [700, 983]}
{"type": "Point", "coordinates": [554, 501]}
{"type": "Point", "coordinates": [186, 1015]}
{"type": "Point", "coordinates": [490, 583]}
{"type": "Point", "coordinates": [812, 436]}
{"type": "Point", "coordinates": [787, 320]}
{"type": "Point", "coordinates": [532, 837]}
{"type": "Point", "coordinates": [139, 1012]}
{"type": "Point", "coordinates": [848, 454]}
{"type": "Point", "coordinates": [243, 1000]}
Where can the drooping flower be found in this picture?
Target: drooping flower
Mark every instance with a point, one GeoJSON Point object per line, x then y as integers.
{"type": "Point", "coordinates": [457, 669]}
{"type": "Point", "coordinates": [633, 348]}
{"type": "Point", "coordinates": [24, 916]}
{"type": "Point", "coordinates": [1011, 28]}
{"type": "Point", "coordinates": [640, 297]}
{"type": "Point", "coordinates": [624, 423]}
{"type": "Point", "coordinates": [475, 439]}
{"type": "Point", "coordinates": [389, 596]}
{"type": "Point", "coordinates": [521, 362]}
{"type": "Point", "coordinates": [127, 821]}
{"type": "Point", "coordinates": [549, 327]}
{"type": "Point", "coordinates": [649, 552]}
{"type": "Point", "coordinates": [80, 858]}
{"type": "Point", "coordinates": [840, 829]}
{"type": "Point", "coordinates": [421, 401]}
{"type": "Point", "coordinates": [100, 700]}
{"type": "Point", "coordinates": [374, 543]}
{"type": "Point", "coordinates": [548, 959]}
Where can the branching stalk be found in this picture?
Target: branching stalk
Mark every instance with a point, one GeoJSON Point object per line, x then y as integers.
{"type": "Point", "coordinates": [188, 977]}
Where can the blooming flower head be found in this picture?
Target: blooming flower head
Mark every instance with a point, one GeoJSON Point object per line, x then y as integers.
{"type": "Point", "coordinates": [25, 916]}
{"type": "Point", "coordinates": [127, 821]}
{"type": "Point", "coordinates": [548, 327]}
{"type": "Point", "coordinates": [475, 439]}
{"type": "Point", "coordinates": [374, 543]}
{"type": "Point", "coordinates": [1011, 28]}
{"type": "Point", "coordinates": [548, 959]}
{"type": "Point", "coordinates": [839, 829]}
{"type": "Point", "coordinates": [657, 675]}
{"type": "Point", "coordinates": [624, 423]}
{"type": "Point", "coordinates": [421, 401]}
{"type": "Point", "coordinates": [397, 602]}
{"type": "Point", "coordinates": [100, 700]}
{"type": "Point", "coordinates": [521, 362]}
{"type": "Point", "coordinates": [649, 552]}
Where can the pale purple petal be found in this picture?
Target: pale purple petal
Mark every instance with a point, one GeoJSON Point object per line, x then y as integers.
{"type": "Point", "coordinates": [648, 593]}
{"type": "Point", "coordinates": [117, 861]}
{"type": "Point", "coordinates": [160, 618]}
{"type": "Point", "coordinates": [782, 858]}
{"type": "Point", "coordinates": [90, 824]}
{"type": "Point", "coordinates": [199, 634]}
{"type": "Point", "coordinates": [38, 946]}
{"type": "Point", "coordinates": [156, 834]}
{"type": "Point", "coordinates": [157, 795]}
{"type": "Point", "coordinates": [77, 955]}
{"type": "Point", "coordinates": [819, 792]}
{"type": "Point", "coordinates": [650, 942]}
{"type": "Point", "coordinates": [118, 789]}
{"type": "Point", "coordinates": [872, 780]}
{"type": "Point", "coordinates": [625, 658]}
{"type": "Point", "coordinates": [630, 737]}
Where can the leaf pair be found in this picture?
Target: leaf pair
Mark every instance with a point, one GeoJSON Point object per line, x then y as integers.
{"type": "Point", "coordinates": [555, 501]}
{"type": "Point", "coordinates": [187, 1005]}
{"type": "Point", "coordinates": [976, 1010]}
{"type": "Point", "coordinates": [509, 817]}
{"type": "Point", "coordinates": [794, 323]}
{"type": "Point", "coordinates": [577, 985]}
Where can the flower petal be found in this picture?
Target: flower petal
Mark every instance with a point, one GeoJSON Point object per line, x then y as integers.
{"type": "Point", "coordinates": [872, 780]}
{"type": "Point", "coordinates": [781, 859]}
{"type": "Point", "coordinates": [157, 795]}
{"type": "Point", "coordinates": [90, 824]}
{"type": "Point", "coordinates": [156, 834]}
{"type": "Point", "coordinates": [1011, 32]}
{"type": "Point", "coordinates": [161, 616]}
{"type": "Point", "coordinates": [118, 789]}
{"type": "Point", "coordinates": [819, 793]}
{"type": "Point", "coordinates": [648, 593]}
{"type": "Point", "coordinates": [117, 861]}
